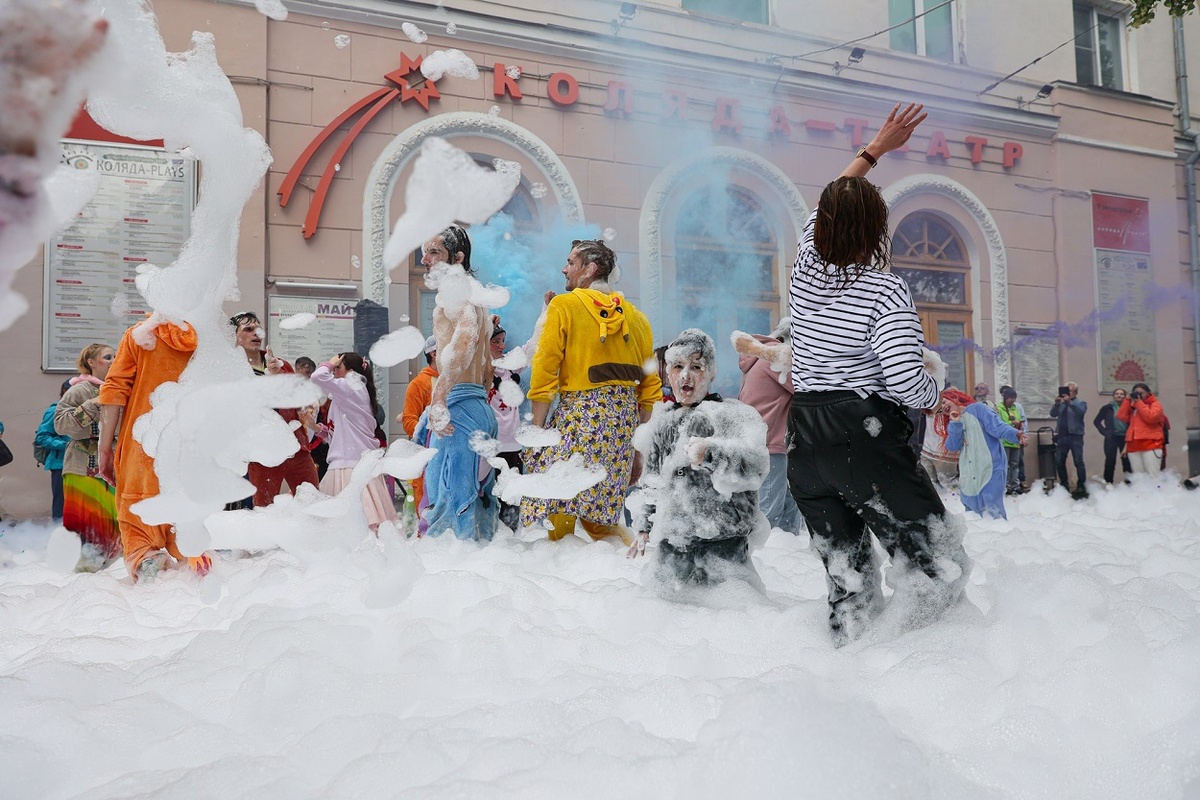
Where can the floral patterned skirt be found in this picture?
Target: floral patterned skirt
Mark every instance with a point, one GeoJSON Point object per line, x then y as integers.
{"type": "Point", "coordinates": [598, 424]}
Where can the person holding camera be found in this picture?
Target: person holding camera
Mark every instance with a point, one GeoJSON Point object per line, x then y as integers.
{"type": "Point", "coordinates": [1071, 413]}
{"type": "Point", "coordinates": [1144, 440]}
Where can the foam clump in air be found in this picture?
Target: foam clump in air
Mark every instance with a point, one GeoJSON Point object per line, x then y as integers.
{"type": "Point", "coordinates": [533, 436]}
{"type": "Point", "coordinates": [48, 53]}
{"type": "Point", "coordinates": [434, 196]}
{"type": "Point", "coordinates": [272, 8]}
{"type": "Point", "coordinates": [561, 481]}
{"type": "Point", "coordinates": [297, 321]}
{"type": "Point", "coordinates": [414, 34]}
{"type": "Point", "coordinates": [452, 62]}
{"type": "Point", "coordinates": [398, 346]}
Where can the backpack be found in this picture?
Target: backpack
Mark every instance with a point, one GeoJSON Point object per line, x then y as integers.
{"type": "Point", "coordinates": [40, 454]}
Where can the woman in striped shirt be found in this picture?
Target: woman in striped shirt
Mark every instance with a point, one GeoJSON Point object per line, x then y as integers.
{"type": "Point", "coordinates": [857, 360]}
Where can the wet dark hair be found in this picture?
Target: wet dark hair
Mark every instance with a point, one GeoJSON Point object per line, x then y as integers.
{"type": "Point", "coordinates": [237, 320]}
{"type": "Point", "coordinates": [305, 361]}
{"type": "Point", "coordinates": [851, 229]}
{"type": "Point", "coordinates": [356, 363]}
{"type": "Point", "coordinates": [455, 239]}
{"type": "Point", "coordinates": [594, 251]}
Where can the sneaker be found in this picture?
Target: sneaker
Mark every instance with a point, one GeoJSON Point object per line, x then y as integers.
{"type": "Point", "coordinates": [152, 564]}
{"type": "Point", "coordinates": [1189, 484]}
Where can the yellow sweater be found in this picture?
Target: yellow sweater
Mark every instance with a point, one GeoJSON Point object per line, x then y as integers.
{"type": "Point", "coordinates": [571, 357]}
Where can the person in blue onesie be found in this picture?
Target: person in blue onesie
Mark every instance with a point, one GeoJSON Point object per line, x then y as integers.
{"type": "Point", "coordinates": [976, 432]}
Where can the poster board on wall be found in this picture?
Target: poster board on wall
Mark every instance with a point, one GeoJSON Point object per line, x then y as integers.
{"type": "Point", "coordinates": [141, 214]}
{"type": "Point", "coordinates": [1036, 371]}
{"type": "Point", "coordinates": [332, 332]}
{"type": "Point", "coordinates": [1124, 278]}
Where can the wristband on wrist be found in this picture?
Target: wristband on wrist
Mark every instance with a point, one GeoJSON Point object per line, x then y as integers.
{"type": "Point", "coordinates": [870, 159]}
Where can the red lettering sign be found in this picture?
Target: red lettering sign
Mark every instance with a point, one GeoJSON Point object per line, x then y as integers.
{"type": "Point", "coordinates": [777, 122]}
{"type": "Point", "coordinates": [725, 116]}
{"type": "Point", "coordinates": [675, 104]}
{"type": "Point", "coordinates": [504, 85]}
{"type": "Point", "coordinates": [1012, 152]}
{"type": "Point", "coordinates": [938, 148]}
{"type": "Point", "coordinates": [976, 143]}
{"type": "Point", "coordinates": [620, 98]}
{"type": "Point", "coordinates": [563, 89]}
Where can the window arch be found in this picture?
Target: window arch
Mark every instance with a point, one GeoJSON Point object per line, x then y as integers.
{"type": "Point", "coordinates": [932, 258]}
{"type": "Point", "coordinates": [726, 254]}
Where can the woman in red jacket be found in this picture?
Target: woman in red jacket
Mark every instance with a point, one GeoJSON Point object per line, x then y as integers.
{"type": "Point", "coordinates": [1144, 415]}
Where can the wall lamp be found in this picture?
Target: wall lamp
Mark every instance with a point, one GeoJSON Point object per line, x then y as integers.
{"type": "Point", "coordinates": [624, 15]}
{"type": "Point", "coordinates": [1042, 94]}
{"type": "Point", "coordinates": [855, 57]}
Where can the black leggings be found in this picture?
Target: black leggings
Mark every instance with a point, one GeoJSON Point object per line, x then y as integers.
{"type": "Point", "coordinates": [851, 467]}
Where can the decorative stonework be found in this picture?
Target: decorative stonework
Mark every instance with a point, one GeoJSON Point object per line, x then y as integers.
{"type": "Point", "coordinates": [660, 192]}
{"type": "Point", "coordinates": [381, 182]}
{"type": "Point", "coordinates": [926, 184]}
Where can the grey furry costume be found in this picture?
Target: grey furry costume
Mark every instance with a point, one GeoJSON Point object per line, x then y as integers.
{"type": "Point", "coordinates": [702, 516]}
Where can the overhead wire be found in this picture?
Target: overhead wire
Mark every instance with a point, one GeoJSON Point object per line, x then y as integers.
{"type": "Point", "coordinates": [1017, 71]}
{"type": "Point", "coordinates": [876, 33]}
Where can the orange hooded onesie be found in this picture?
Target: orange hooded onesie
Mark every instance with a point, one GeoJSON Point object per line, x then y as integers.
{"type": "Point", "coordinates": [135, 373]}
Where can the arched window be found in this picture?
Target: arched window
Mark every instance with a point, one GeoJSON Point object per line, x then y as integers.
{"type": "Point", "coordinates": [932, 259]}
{"type": "Point", "coordinates": [725, 270]}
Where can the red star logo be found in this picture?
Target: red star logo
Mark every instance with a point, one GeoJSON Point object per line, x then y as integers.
{"type": "Point", "coordinates": [426, 90]}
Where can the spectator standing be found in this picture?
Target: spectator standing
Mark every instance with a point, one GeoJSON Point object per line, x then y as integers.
{"type": "Point", "coordinates": [416, 400]}
{"type": "Point", "coordinates": [1071, 413]}
{"type": "Point", "coordinates": [1113, 430]}
{"type": "Point", "coordinates": [299, 467]}
{"type": "Point", "coordinates": [89, 502]}
{"type": "Point", "coordinates": [1011, 414]}
{"type": "Point", "coordinates": [763, 391]}
{"type": "Point", "coordinates": [982, 390]}
{"type": "Point", "coordinates": [52, 447]}
{"type": "Point", "coordinates": [348, 380]}
{"type": "Point", "coordinates": [1145, 417]}
{"type": "Point", "coordinates": [592, 354]}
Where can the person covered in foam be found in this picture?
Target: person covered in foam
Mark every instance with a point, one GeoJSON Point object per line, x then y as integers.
{"type": "Point", "coordinates": [705, 459]}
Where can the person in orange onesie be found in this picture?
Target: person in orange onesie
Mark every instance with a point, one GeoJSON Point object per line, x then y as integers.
{"type": "Point", "coordinates": [416, 400]}
{"type": "Point", "coordinates": [146, 358]}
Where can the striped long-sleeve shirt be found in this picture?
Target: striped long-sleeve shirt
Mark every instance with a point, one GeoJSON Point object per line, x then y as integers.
{"type": "Point", "coordinates": [863, 335]}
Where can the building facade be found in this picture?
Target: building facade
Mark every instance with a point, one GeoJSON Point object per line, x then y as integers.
{"type": "Point", "coordinates": [1039, 215]}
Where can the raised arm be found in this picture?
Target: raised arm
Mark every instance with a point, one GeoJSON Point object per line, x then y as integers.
{"type": "Point", "coordinates": [893, 135]}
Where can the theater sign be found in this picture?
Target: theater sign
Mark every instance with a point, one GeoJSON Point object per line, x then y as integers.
{"type": "Point", "coordinates": [406, 85]}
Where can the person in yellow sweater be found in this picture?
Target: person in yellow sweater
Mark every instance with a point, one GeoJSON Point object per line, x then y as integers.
{"type": "Point", "coordinates": [592, 354]}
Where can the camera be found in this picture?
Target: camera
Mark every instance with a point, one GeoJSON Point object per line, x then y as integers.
{"type": "Point", "coordinates": [1136, 394]}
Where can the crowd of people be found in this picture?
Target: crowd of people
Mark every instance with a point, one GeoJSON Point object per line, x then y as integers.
{"type": "Point", "coordinates": [843, 425]}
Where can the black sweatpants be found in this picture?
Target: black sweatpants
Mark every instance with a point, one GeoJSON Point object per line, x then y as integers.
{"type": "Point", "coordinates": [851, 468]}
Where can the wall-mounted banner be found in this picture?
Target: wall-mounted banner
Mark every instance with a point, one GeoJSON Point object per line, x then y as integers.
{"type": "Point", "coordinates": [141, 214]}
{"type": "Point", "coordinates": [331, 333]}
{"type": "Point", "coordinates": [1124, 274]}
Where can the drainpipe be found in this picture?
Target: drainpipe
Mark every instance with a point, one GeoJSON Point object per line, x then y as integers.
{"type": "Point", "coordinates": [1189, 179]}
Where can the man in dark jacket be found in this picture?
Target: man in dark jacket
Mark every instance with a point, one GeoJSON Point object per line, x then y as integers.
{"type": "Point", "coordinates": [1071, 413]}
{"type": "Point", "coordinates": [1113, 431]}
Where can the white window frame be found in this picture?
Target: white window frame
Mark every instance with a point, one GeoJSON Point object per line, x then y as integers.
{"type": "Point", "coordinates": [919, 7]}
{"type": "Point", "coordinates": [1097, 9]}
